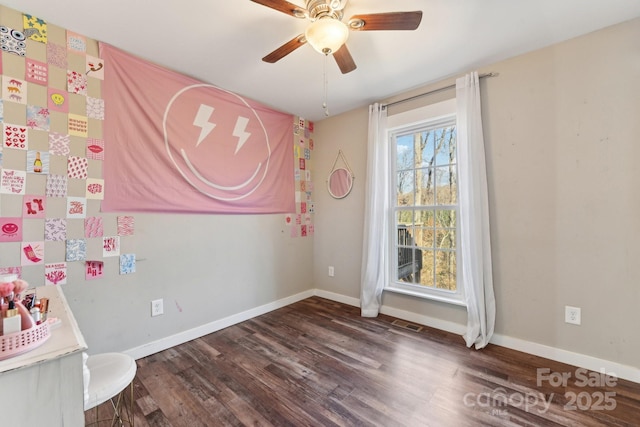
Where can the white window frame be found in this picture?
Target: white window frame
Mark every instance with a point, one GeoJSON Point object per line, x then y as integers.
{"type": "Point", "coordinates": [441, 112]}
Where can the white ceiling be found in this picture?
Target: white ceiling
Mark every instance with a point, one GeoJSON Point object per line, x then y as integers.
{"type": "Point", "coordinates": [222, 42]}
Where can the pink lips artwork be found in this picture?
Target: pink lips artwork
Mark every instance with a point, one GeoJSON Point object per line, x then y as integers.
{"type": "Point", "coordinates": [95, 149]}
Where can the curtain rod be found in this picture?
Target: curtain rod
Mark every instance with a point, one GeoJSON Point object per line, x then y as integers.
{"type": "Point", "coordinates": [420, 95]}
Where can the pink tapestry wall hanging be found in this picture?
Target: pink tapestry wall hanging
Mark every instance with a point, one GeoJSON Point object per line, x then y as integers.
{"type": "Point", "coordinates": [174, 144]}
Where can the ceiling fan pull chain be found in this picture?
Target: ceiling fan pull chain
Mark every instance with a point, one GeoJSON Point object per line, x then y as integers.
{"type": "Point", "coordinates": [326, 86]}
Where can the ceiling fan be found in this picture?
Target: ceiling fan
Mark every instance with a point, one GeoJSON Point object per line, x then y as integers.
{"type": "Point", "coordinates": [328, 34]}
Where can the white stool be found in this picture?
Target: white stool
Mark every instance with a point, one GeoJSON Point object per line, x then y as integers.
{"type": "Point", "coordinates": [109, 376]}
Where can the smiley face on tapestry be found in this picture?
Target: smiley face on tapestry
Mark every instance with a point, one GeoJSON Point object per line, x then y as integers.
{"type": "Point", "coordinates": [225, 154]}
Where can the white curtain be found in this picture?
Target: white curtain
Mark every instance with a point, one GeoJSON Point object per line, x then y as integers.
{"type": "Point", "coordinates": [376, 222]}
{"type": "Point", "coordinates": [475, 243]}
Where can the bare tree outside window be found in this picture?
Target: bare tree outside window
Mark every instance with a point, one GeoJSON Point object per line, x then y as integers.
{"type": "Point", "coordinates": [426, 203]}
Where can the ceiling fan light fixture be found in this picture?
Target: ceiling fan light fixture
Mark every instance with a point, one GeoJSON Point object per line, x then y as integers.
{"type": "Point", "coordinates": [327, 35]}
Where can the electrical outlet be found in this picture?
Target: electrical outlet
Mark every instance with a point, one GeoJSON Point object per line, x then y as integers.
{"type": "Point", "coordinates": [331, 271]}
{"type": "Point", "coordinates": [572, 315]}
{"type": "Point", "coordinates": [157, 307]}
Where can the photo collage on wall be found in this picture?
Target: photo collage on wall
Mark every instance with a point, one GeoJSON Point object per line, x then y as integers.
{"type": "Point", "coordinates": [51, 185]}
{"type": "Point", "coordinates": [300, 223]}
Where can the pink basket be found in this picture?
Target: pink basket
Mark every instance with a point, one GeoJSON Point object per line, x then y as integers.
{"type": "Point", "coordinates": [21, 342]}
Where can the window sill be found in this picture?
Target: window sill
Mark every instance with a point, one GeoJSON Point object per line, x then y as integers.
{"type": "Point", "coordinates": [434, 295]}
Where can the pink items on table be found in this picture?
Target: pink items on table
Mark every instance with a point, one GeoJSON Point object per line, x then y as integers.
{"type": "Point", "coordinates": [19, 332]}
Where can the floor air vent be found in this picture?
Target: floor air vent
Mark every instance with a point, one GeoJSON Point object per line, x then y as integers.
{"type": "Point", "coordinates": [407, 325]}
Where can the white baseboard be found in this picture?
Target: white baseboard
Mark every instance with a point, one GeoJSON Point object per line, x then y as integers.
{"type": "Point", "coordinates": [569, 357]}
{"type": "Point", "coordinates": [197, 332]}
{"type": "Point", "coordinates": [337, 297]}
{"type": "Point", "coordinates": [559, 355]}
{"type": "Point", "coordinates": [564, 356]}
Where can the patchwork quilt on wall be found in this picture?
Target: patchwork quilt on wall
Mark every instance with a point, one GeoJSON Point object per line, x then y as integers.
{"type": "Point", "coordinates": [51, 157]}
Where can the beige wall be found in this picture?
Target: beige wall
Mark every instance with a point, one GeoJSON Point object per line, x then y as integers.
{"type": "Point", "coordinates": [561, 126]}
{"type": "Point", "coordinates": [210, 270]}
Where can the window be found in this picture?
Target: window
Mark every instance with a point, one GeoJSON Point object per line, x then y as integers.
{"type": "Point", "coordinates": [424, 202]}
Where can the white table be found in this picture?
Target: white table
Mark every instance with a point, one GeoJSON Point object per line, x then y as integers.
{"type": "Point", "coordinates": [44, 386]}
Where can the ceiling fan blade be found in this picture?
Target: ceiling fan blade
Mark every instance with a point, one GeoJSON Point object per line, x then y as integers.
{"type": "Point", "coordinates": [283, 6]}
{"type": "Point", "coordinates": [386, 21]}
{"type": "Point", "coordinates": [285, 49]}
{"type": "Point", "coordinates": [344, 60]}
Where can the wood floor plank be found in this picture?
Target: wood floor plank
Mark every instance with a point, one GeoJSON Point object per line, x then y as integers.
{"type": "Point", "coordinates": [174, 398]}
{"type": "Point", "coordinates": [319, 363]}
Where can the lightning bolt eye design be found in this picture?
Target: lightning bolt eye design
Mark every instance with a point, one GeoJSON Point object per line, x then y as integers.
{"type": "Point", "coordinates": [239, 131]}
{"type": "Point", "coordinates": [202, 121]}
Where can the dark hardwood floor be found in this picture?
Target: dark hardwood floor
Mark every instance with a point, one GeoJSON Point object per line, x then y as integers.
{"type": "Point", "coordinates": [318, 363]}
